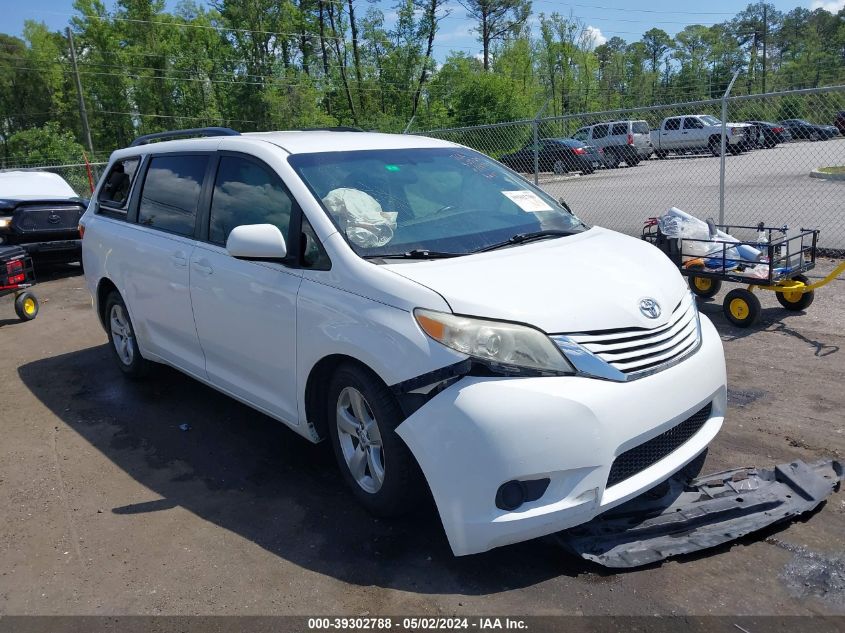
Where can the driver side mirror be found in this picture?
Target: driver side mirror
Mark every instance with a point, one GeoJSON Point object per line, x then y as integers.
{"type": "Point", "coordinates": [562, 203]}
{"type": "Point", "coordinates": [256, 241]}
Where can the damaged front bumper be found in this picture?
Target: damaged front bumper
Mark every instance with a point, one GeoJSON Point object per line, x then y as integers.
{"type": "Point", "coordinates": [691, 515]}
{"type": "Point", "coordinates": [559, 439]}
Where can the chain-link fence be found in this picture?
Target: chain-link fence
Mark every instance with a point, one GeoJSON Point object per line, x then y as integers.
{"type": "Point", "coordinates": [641, 161]}
{"type": "Point", "coordinates": [76, 174]}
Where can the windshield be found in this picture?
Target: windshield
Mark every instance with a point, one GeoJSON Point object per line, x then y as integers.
{"type": "Point", "coordinates": [710, 120]}
{"type": "Point", "coordinates": [448, 200]}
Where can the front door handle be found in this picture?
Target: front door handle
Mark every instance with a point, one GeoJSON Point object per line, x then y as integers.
{"type": "Point", "coordinates": [202, 266]}
{"type": "Point", "coordinates": [179, 259]}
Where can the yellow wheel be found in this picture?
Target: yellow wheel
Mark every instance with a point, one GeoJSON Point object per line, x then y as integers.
{"type": "Point", "coordinates": [26, 306]}
{"type": "Point", "coordinates": [741, 307]}
{"type": "Point", "coordinates": [796, 300]}
{"type": "Point", "coordinates": [704, 286]}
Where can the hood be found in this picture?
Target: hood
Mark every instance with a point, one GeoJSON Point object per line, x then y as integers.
{"type": "Point", "coordinates": [590, 281]}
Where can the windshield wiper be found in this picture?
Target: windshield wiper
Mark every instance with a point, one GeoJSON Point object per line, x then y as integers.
{"type": "Point", "coordinates": [521, 238]}
{"type": "Point", "coordinates": [417, 253]}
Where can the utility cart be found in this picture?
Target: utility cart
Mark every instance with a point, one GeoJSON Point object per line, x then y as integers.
{"type": "Point", "coordinates": [17, 276]}
{"type": "Point", "coordinates": [771, 258]}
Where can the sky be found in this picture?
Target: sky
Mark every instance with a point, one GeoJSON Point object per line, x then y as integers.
{"type": "Point", "coordinates": [605, 18]}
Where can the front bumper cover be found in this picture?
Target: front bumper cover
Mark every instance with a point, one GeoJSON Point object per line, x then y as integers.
{"type": "Point", "coordinates": [692, 515]}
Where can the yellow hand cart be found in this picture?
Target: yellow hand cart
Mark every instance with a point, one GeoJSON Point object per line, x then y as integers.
{"type": "Point", "coordinates": [772, 258]}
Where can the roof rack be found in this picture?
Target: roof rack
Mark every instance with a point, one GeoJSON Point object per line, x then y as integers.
{"type": "Point", "coordinates": [197, 131]}
{"type": "Point", "coordinates": [337, 128]}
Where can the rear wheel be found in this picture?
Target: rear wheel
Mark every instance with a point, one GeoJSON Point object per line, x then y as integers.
{"type": "Point", "coordinates": [741, 307]}
{"type": "Point", "coordinates": [26, 306]}
{"type": "Point", "coordinates": [796, 300]}
{"type": "Point", "coordinates": [374, 461]}
{"type": "Point", "coordinates": [705, 286]}
{"type": "Point", "coordinates": [661, 154]}
{"type": "Point", "coordinates": [612, 159]}
{"type": "Point", "coordinates": [121, 335]}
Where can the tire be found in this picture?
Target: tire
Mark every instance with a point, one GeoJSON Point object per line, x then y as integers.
{"type": "Point", "coordinates": [633, 161]}
{"type": "Point", "coordinates": [741, 307]}
{"type": "Point", "coordinates": [797, 301]}
{"type": "Point", "coordinates": [705, 287]}
{"type": "Point", "coordinates": [559, 167]}
{"type": "Point", "coordinates": [734, 150]}
{"type": "Point", "coordinates": [661, 154]}
{"type": "Point", "coordinates": [389, 482]}
{"type": "Point", "coordinates": [613, 161]}
{"type": "Point", "coordinates": [587, 171]}
{"type": "Point", "coordinates": [714, 144]}
{"type": "Point", "coordinates": [814, 136]}
{"type": "Point", "coordinates": [122, 340]}
{"type": "Point", "coordinates": [26, 306]}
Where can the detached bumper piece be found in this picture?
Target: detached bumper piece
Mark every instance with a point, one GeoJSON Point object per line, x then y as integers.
{"type": "Point", "coordinates": [683, 516]}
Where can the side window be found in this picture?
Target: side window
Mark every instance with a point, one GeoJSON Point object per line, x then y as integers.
{"type": "Point", "coordinates": [171, 193]}
{"type": "Point", "coordinates": [114, 194]}
{"type": "Point", "coordinates": [312, 254]}
{"type": "Point", "coordinates": [582, 134]}
{"type": "Point", "coordinates": [600, 131]}
{"type": "Point", "coordinates": [619, 129]}
{"type": "Point", "coordinates": [672, 124]}
{"type": "Point", "coordinates": [692, 124]}
{"type": "Point", "coordinates": [247, 193]}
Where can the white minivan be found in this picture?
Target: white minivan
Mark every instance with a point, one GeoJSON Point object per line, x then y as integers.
{"type": "Point", "coordinates": [444, 323]}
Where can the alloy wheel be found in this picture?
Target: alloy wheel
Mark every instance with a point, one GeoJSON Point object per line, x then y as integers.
{"type": "Point", "coordinates": [360, 440]}
{"type": "Point", "coordinates": [122, 337]}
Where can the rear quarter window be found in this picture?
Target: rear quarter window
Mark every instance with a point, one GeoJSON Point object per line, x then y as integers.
{"type": "Point", "coordinates": [113, 197]}
{"type": "Point", "coordinates": [640, 127]}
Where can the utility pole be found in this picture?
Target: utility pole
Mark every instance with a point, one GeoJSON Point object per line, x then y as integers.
{"type": "Point", "coordinates": [86, 131]}
{"type": "Point", "coordinates": [765, 33]}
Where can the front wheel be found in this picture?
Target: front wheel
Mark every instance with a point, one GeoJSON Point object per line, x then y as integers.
{"type": "Point", "coordinates": [374, 461]}
{"type": "Point", "coordinates": [741, 307]}
{"type": "Point", "coordinates": [715, 146]}
{"type": "Point", "coordinates": [796, 300]}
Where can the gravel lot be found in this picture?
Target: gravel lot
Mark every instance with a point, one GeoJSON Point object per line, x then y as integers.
{"type": "Point", "coordinates": [109, 508]}
{"type": "Point", "coordinates": [773, 185]}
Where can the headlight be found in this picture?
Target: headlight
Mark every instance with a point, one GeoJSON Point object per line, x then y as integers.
{"type": "Point", "coordinates": [495, 343]}
{"type": "Point", "coordinates": [5, 223]}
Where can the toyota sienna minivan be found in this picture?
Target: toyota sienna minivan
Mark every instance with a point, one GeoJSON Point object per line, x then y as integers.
{"type": "Point", "coordinates": [446, 325]}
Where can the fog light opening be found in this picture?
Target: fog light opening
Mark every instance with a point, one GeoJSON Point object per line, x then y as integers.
{"type": "Point", "coordinates": [513, 494]}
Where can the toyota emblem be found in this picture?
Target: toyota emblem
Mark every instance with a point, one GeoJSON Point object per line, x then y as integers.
{"type": "Point", "coordinates": [650, 308]}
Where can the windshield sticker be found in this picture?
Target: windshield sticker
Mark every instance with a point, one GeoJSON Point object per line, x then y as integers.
{"type": "Point", "coordinates": [527, 200]}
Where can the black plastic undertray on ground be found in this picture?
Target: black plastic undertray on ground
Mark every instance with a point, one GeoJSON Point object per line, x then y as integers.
{"type": "Point", "coordinates": [684, 516]}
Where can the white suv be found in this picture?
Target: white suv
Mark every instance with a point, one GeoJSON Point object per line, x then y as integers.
{"type": "Point", "coordinates": [622, 141]}
{"type": "Point", "coordinates": [434, 315]}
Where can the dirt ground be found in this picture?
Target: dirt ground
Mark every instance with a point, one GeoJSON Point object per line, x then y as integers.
{"type": "Point", "coordinates": [107, 507]}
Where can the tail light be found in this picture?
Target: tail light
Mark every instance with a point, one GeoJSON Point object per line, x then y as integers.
{"type": "Point", "coordinates": [777, 130]}
{"type": "Point", "coordinates": [579, 150]}
{"type": "Point", "coordinates": [81, 228]}
{"type": "Point", "coordinates": [14, 272]}
{"type": "Point", "coordinates": [630, 139]}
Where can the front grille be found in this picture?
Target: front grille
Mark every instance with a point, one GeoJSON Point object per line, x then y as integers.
{"type": "Point", "coordinates": [53, 218]}
{"type": "Point", "coordinates": [633, 350]}
{"type": "Point", "coordinates": [640, 457]}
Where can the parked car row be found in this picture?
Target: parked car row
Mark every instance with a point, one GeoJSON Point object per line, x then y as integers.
{"type": "Point", "coordinates": [609, 144]}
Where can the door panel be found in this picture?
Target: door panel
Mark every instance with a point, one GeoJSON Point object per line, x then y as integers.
{"type": "Point", "coordinates": [158, 295]}
{"type": "Point", "coordinates": [245, 316]}
{"type": "Point", "coordinates": [157, 273]}
{"type": "Point", "coordinates": [245, 311]}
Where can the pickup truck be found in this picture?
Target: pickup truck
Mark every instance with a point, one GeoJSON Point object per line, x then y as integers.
{"type": "Point", "coordinates": [697, 132]}
{"type": "Point", "coordinates": [40, 212]}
